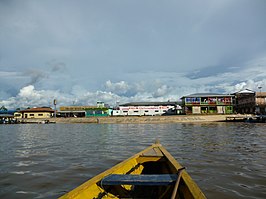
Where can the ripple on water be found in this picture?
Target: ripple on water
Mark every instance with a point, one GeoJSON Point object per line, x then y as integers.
{"type": "Point", "coordinates": [226, 160]}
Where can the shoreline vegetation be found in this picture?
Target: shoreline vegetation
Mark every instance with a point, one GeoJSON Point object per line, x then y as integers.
{"type": "Point", "coordinates": [135, 119]}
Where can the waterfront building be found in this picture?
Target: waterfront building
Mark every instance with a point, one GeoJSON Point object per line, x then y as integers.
{"type": "Point", "coordinates": [245, 101]}
{"type": "Point", "coordinates": [207, 103]}
{"type": "Point", "coordinates": [260, 102]}
{"type": "Point", "coordinates": [36, 113]}
{"type": "Point", "coordinates": [83, 111]}
{"type": "Point", "coordinates": [147, 109]}
{"type": "Point", "coordinates": [97, 112]}
{"type": "Point", "coordinates": [100, 110]}
{"type": "Point", "coordinates": [250, 102]}
{"type": "Point", "coordinates": [7, 112]}
{"type": "Point", "coordinates": [72, 111]}
{"type": "Point", "coordinates": [6, 116]}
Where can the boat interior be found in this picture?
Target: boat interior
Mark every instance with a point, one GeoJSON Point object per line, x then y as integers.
{"type": "Point", "coordinates": [153, 176]}
{"type": "Point", "coordinates": [151, 173]}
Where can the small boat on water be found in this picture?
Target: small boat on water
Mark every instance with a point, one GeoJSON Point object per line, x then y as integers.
{"type": "Point", "coordinates": [151, 173]}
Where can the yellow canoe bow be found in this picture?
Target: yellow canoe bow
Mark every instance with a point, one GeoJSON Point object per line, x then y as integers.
{"type": "Point", "coordinates": [151, 173]}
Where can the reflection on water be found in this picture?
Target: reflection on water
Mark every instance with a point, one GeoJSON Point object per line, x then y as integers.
{"type": "Point", "coordinates": [45, 161]}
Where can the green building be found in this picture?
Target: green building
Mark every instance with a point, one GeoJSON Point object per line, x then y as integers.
{"type": "Point", "coordinates": [96, 111]}
{"type": "Point", "coordinates": [207, 103]}
{"type": "Point", "coordinates": [84, 111]}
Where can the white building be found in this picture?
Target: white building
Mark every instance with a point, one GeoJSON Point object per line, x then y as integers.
{"type": "Point", "coordinates": [147, 109]}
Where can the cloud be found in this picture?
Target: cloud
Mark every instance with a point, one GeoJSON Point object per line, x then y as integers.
{"type": "Point", "coordinates": [29, 92]}
{"type": "Point", "coordinates": [86, 51]}
{"type": "Point", "coordinates": [27, 95]}
{"type": "Point", "coordinates": [119, 87]}
{"type": "Point", "coordinates": [162, 91]}
{"type": "Point", "coordinates": [57, 66]}
{"type": "Point", "coordinates": [149, 87]}
{"type": "Point", "coordinates": [30, 96]}
{"type": "Point", "coordinates": [52, 76]}
{"type": "Point", "coordinates": [35, 75]}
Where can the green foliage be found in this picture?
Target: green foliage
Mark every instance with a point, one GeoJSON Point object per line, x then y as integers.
{"type": "Point", "coordinates": [3, 108]}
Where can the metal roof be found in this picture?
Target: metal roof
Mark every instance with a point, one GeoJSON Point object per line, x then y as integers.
{"type": "Point", "coordinates": [261, 94]}
{"type": "Point", "coordinates": [6, 115]}
{"type": "Point", "coordinates": [70, 111]}
{"type": "Point", "coordinates": [246, 91]}
{"type": "Point", "coordinates": [38, 109]}
{"type": "Point", "coordinates": [11, 112]}
{"type": "Point", "coordinates": [208, 95]}
{"type": "Point", "coordinates": [150, 104]}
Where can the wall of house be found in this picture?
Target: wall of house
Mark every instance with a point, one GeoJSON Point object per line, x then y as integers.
{"type": "Point", "coordinates": [251, 103]}
{"type": "Point", "coordinates": [37, 115]}
{"type": "Point", "coordinates": [145, 110]}
{"type": "Point", "coordinates": [17, 115]}
{"type": "Point", "coordinates": [260, 103]}
{"type": "Point", "coordinates": [208, 105]}
{"type": "Point", "coordinates": [97, 112]}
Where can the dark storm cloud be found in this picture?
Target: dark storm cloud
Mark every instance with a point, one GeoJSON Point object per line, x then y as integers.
{"type": "Point", "coordinates": [56, 66]}
{"type": "Point", "coordinates": [35, 75]}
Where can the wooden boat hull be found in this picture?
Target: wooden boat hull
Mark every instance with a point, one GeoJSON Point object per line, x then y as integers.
{"type": "Point", "coordinates": [148, 174]}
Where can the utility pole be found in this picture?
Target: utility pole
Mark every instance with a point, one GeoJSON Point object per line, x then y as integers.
{"type": "Point", "coordinates": [259, 99]}
{"type": "Point", "coordinates": [260, 88]}
{"type": "Point", "coordinates": [54, 108]}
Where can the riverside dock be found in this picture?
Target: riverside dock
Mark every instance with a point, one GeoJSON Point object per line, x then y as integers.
{"type": "Point", "coordinates": [247, 118]}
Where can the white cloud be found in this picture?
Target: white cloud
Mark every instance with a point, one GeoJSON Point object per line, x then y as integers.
{"type": "Point", "coordinates": [29, 97]}
{"type": "Point", "coordinates": [165, 87]}
{"type": "Point", "coordinates": [150, 87]}
{"type": "Point", "coordinates": [29, 92]}
{"type": "Point", "coordinates": [120, 87]}
{"type": "Point", "coordinates": [162, 91]}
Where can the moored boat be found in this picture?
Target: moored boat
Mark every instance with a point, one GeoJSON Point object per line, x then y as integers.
{"type": "Point", "coordinates": [151, 173]}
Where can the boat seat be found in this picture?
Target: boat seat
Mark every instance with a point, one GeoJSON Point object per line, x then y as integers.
{"type": "Point", "coordinates": [145, 180]}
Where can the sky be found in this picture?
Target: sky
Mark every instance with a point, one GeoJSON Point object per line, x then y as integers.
{"type": "Point", "coordinates": [118, 51]}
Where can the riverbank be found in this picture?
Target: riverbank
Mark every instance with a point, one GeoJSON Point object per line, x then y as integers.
{"type": "Point", "coordinates": [135, 119]}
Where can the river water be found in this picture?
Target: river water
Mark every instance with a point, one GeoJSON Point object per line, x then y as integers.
{"type": "Point", "coordinates": [227, 160]}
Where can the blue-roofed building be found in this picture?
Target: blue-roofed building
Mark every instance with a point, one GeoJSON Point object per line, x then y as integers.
{"type": "Point", "coordinates": [6, 116]}
{"type": "Point", "coordinates": [7, 112]}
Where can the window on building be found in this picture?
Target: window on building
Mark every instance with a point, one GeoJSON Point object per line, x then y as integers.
{"type": "Point", "coordinates": [156, 110]}
{"type": "Point", "coordinates": [188, 100]}
{"type": "Point", "coordinates": [227, 99]}
{"type": "Point", "coordinates": [204, 100]}
{"type": "Point", "coordinates": [31, 114]}
{"type": "Point", "coordinates": [98, 112]}
{"type": "Point", "coordinates": [212, 109]}
{"type": "Point", "coordinates": [40, 114]}
{"type": "Point", "coordinates": [195, 100]}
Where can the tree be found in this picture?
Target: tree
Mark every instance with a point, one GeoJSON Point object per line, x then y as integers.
{"type": "Point", "coordinates": [3, 108]}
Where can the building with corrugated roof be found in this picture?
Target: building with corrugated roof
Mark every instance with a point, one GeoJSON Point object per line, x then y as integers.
{"type": "Point", "coordinates": [260, 103]}
{"type": "Point", "coordinates": [84, 111]}
{"type": "Point", "coordinates": [6, 116]}
{"type": "Point", "coordinates": [147, 109]}
{"type": "Point", "coordinates": [207, 103]}
{"type": "Point", "coordinates": [244, 101]}
{"type": "Point", "coordinates": [250, 102]}
{"type": "Point", "coordinates": [36, 113]}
